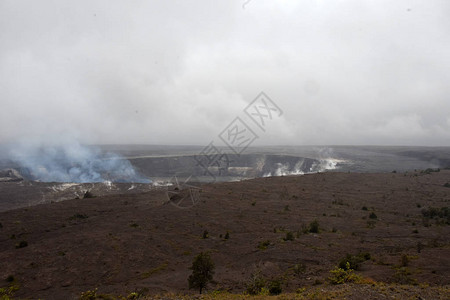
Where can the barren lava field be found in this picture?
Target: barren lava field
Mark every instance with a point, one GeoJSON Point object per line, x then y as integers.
{"type": "Point", "coordinates": [139, 242]}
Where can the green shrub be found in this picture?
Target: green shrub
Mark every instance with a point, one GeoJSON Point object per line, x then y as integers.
{"type": "Point", "coordinates": [205, 234]}
{"type": "Point", "coordinates": [419, 247]}
{"type": "Point", "coordinates": [442, 213]}
{"type": "Point", "coordinates": [299, 269]}
{"type": "Point", "coordinates": [353, 261]}
{"type": "Point", "coordinates": [78, 216]}
{"type": "Point", "coordinates": [256, 283]}
{"type": "Point", "coordinates": [402, 276]}
{"type": "Point", "coordinates": [89, 295]}
{"type": "Point", "coordinates": [314, 226]}
{"type": "Point", "coordinates": [340, 276]}
{"type": "Point", "coordinates": [7, 293]}
{"type": "Point", "coordinates": [22, 244]}
{"type": "Point", "coordinates": [373, 215]}
{"type": "Point", "coordinates": [275, 287]}
{"type": "Point", "coordinates": [263, 245]}
{"type": "Point", "coordinates": [404, 260]}
{"type": "Point", "coordinates": [289, 236]}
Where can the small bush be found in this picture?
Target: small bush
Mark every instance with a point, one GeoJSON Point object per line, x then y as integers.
{"type": "Point", "coordinates": [275, 287]}
{"type": "Point", "coordinates": [373, 215]}
{"type": "Point", "coordinates": [447, 185]}
{"type": "Point", "coordinates": [402, 276]}
{"type": "Point", "coordinates": [22, 244]}
{"type": "Point", "coordinates": [404, 260]}
{"type": "Point", "coordinates": [7, 293]}
{"type": "Point", "coordinates": [89, 295]}
{"type": "Point", "coordinates": [256, 284]}
{"type": "Point", "coordinates": [314, 226]}
{"type": "Point", "coordinates": [78, 216]}
{"type": "Point", "coordinates": [429, 171]}
{"type": "Point", "coordinates": [419, 247]}
{"type": "Point", "coordinates": [227, 235]}
{"type": "Point", "coordinates": [340, 276]}
{"type": "Point", "coordinates": [263, 245]}
{"type": "Point", "coordinates": [364, 208]}
{"type": "Point", "coordinates": [299, 269]}
{"type": "Point", "coordinates": [353, 261]}
{"type": "Point", "coordinates": [289, 236]}
{"type": "Point", "coordinates": [205, 234]}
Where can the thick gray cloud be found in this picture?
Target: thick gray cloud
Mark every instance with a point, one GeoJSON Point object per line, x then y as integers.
{"type": "Point", "coordinates": [177, 72]}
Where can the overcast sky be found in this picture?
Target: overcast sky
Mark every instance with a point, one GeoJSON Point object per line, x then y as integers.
{"type": "Point", "coordinates": [178, 72]}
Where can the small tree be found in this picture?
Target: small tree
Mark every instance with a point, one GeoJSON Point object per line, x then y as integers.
{"type": "Point", "coordinates": [202, 271]}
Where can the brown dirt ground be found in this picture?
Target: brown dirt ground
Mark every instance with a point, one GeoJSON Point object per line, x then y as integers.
{"type": "Point", "coordinates": [126, 243]}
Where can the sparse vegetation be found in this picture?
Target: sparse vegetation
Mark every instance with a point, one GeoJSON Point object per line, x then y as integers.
{"type": "Point", "coordinates": [429, 171]}
{"type": "Point", "coordinates": [155, 270]}
{"type": "Point", "coordinates": [205, 234]}
{"type": "Point", "coordinates": [259, 285]}
{"type": "Point", "coordinates": [78, 216]}
{"type": "Point", "coordinates": [403, 276]}
{"type": "Point", "coordinates": [437, 213]}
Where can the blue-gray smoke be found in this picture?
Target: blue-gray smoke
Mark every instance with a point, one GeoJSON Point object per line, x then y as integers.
{"type": "Point", "coordinates": [73, 163]}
